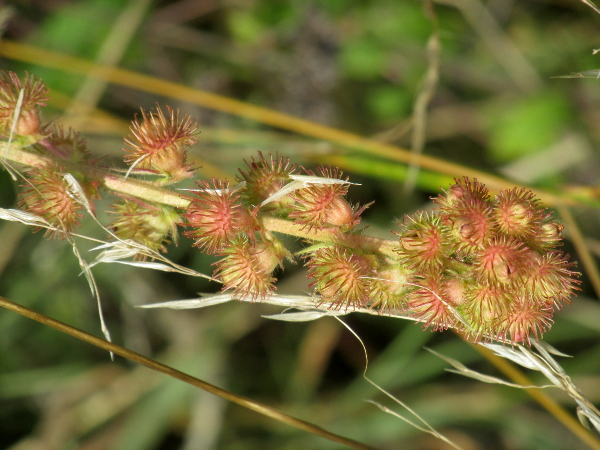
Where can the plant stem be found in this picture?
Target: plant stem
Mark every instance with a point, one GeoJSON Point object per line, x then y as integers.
{"type": "Point", "coordinates": [148, 191]}
{"type": "Point", "coordinates": [167, 370]}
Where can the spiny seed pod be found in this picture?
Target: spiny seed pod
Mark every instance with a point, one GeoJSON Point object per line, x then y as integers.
{"type": "Point", "coordinates": [341, 277]}
{"type": "Point", "coordinates": [159, 143]}
{"type": "Point", "coordinates": [518, 213]}
{"type": "Point", "coordinates": [247, 268]}
{"type": "Point", "coordinates": [35, 94]}
{"type": "Point", "coordinates": [430, 304]}
{"type": "Point", "coordinates": [422, 245]}
{"type": "Point", "coordinates": [464, 192]}
{"type": "Point", "coordinates": [323, 205]}
{"type": "Point", "coordinates": [148, 224]}
{"type": "Point", "coordinates": [389, 287]}
{"type": "Point", "coordinates": [549, 279]}
{"type": "Point", "coordinates": [66, 145]}
{"type": "Point", "coordinates": [264, 178]}
{"type": "Point", "coordinates": [484, 307]}
{"type": "Point", "coordinates": [548, 237]}
{"type": "Point", "coordinates": [469, 226]}
{"type": "Point", "coordinates": [524, 322]}
{"type": "Point", "coordinates": [47, 194]}
{"type": "Point", "coordinates": [504, 251]}
{"type": "Point", "coordinates": [216, 216]}
{"type": "Point", "coordinates": [502, 261]}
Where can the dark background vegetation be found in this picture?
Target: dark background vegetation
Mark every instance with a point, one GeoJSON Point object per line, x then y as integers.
{"type": "Point", "coordinates": [354, 65]}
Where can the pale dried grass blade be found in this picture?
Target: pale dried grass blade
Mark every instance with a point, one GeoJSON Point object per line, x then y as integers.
{"type": "Point", "coordinates": [26, 218]}
{"type": "Point", "coordinates": [461, 369]}
{"type": "Point", "coordinates": [304, 316]}
{"type": "Point", "coordinates": [314, 179]}
{"type": "Point", "coordinates": [544, 363]}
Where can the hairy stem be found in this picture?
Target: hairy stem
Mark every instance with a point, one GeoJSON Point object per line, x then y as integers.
{"type": "Point", "coordinates": [151, 192]}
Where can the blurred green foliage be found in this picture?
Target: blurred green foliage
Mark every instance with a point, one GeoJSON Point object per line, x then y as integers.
{"type": "Point", "coordinates": [528, 125]}
{"type": "Point", "coordinates": [357, 65]}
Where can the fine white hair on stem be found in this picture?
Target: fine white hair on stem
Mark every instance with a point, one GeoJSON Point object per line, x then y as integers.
{"type": "Point", "coordinates": [134, 165]}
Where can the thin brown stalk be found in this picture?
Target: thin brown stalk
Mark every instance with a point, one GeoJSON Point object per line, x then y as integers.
{"type": "Point", "coordinates": [426, 92]}
{"type": "Point", "coordinates": [260, 408]}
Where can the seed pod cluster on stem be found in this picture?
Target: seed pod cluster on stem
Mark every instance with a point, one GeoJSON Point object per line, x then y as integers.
{"type": "Point", "coordinates": [62, 178]}
{"type": "Point", "coordinates": [487, 267]}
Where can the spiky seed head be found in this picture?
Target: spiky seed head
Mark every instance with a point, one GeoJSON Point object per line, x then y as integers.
{"type": "Point", "coordinates": [469, 226]}
{"type": "Point", "coordinates": [422, 243]}
{"type": "Point", "coordinates": [430, 304]}
{"type": "Point", "coordinates": [549, 235]}
{"type": "Point", "coordinates": [216, 216]}
{"type": "Point", "coordinates": [502, 261]}
{"type": "Point", "coordinates": [550, 280]}
{"type": "Point", "coordinates": [65, 144]}
{"type": "Point", "coordinates": [463, 192]}
{"type": "Point", "coordinates": [35, 94]}
{"type": "Point", "coordinates": [148, 224]}
{"type": "Point", "coordinates": [341, 277]}
{"type": "Point", "coordinates": [158, 143]}
{"type": "Point", "coordinates": [518, 213]}
{"type": "Point", "coordinates": [264, 178]}
{"type": "Point", "coordinates": [323, 205]}
{"type": "Point", "coordinates": [389, 288]}
{"type": "Point", "coordinates": [46, 194]}
{"type": "Point", "coordinates": [247, 267]}
{"type": "Point", "coordinates": [485, 306]}
{"type": "Point", "coordinates": [525, 321]}
{"type": "Point", "coordinates": [315, 205]}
